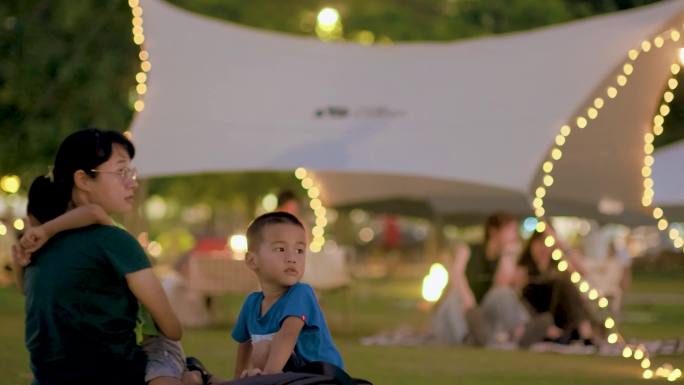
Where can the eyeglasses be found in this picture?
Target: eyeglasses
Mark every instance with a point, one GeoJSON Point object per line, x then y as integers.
{"type": "Point", "coordinates": [127, 174]}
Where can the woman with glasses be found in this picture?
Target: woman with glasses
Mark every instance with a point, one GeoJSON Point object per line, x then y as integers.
{"type": "Point", "coordinates": [84, 285]}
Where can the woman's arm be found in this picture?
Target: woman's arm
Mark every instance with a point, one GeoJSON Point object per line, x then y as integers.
{"type": "Point", "coordinates": [573, 256]}
{"type": "Point", "coordinates": [458, 279]}
{"type": "Point", "coordinates": [148, 290]}
{"type": "Point", "coordinates": [575, 260]}
{"type": "Point", "coordinates": [520, 278]}
{"type": "Point", "coordinates": [505, 267]}
{"type": "Point", "coordinates": [505, 270]}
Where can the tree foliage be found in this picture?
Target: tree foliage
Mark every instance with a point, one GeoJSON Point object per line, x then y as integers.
{"type": "Point", "coordinates": [66, 65]}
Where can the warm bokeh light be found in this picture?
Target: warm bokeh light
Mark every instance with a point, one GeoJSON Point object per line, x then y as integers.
{"type": "Point", "coordinates": [435, 282]}
{"type": "Point", "coordinates": [18, 224]}
{"type": "Point", "coordinates": [10, 184]}
{"type": "Point", "coordinates": [238, 244]}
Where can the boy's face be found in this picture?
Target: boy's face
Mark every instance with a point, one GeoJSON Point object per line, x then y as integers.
{"type": "Point", "coordinates": [281, 257]}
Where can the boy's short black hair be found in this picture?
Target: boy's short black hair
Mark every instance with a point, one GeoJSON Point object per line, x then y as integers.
{"type": "Point", "coordinates": [255, 229]}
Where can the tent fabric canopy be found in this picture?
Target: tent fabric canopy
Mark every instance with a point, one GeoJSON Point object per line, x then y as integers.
{"type": "Point", "coordinates": [667, 176]}
{"type": "Point", "coordinates": [463, 125]}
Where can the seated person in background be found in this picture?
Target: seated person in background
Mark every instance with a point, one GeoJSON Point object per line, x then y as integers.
{"type": "Point", "coordinates": [546, 289]}
{"type": "Point", "coordinates": [480, 304]}
{"type": "Point", "coordinates": [280, 328]}
{"type": "Point", "coordinates": [289, 203]}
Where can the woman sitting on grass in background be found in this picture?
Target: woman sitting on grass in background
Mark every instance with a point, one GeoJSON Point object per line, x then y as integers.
{"type": "Point", "coordinates": [545, 289]}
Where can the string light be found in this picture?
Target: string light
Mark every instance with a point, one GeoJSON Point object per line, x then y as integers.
{"type": "Point", "coordinates": [612, 338]}
{"type": "Point", "coordinates": [313, 192]}
{"type": "Point", "coordinates": [639, 353]}
{"type": "Point", "coordinates": [672, 83]}
{"type": "Point", "coordinates": [668, 96]}
{"type": "Point", "coordinates": [598, 103]}
{"type": "Point", "coordinates": [592, 113]}
{"type": "Point", "coordinates": [566, 130]}
{"type": "Point", "coordinates": [575, 277]}
{"type": "Point", "coordinates": [562, 266]}
{"type": "Point", "coordinates": [622, 80]}
{"type": "Point", "coordinates": [141, 77]}
{"type": "Point", "coordinates": [537, 202]}
{"type": "Point", "coordinates": [18, 224]}
{"type": "Point", "coordinates": [664, 110]}
{"type": "Point", "coordinates": [581, 122]}
{"type": "Point", "coordinates": [657, 129]}
{"type": "Point", "coordinates": [549, 241]}
{"type": "Point", "coordinates": [307, 183]}
{"type": "Point", "coordinates": [645, 46]}
{"type": "Point", "coordinates": [560, 140]}
{"type": "Point", "coordinates": [584, 286]}
{"type": "Point", "coordinates": [593, 294]}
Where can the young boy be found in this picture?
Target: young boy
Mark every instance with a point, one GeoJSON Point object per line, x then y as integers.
{"type": "Point", "coordinates": [166, 363]}
{"type": "Point", "coordinates": [282, 324]}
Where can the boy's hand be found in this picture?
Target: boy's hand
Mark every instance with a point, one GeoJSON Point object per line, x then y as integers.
{"type": "Point", "coordinates": [250, 372]}
{"type": "Point", "coordinates": [20, 256]}
{"type": "Point", "coordinates": [511, 247]}
{"type": "Point", "coordinates": [33, 239]}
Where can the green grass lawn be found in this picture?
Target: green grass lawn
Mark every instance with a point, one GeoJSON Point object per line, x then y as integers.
{"type": "Point", "coordinates": [372, 306]}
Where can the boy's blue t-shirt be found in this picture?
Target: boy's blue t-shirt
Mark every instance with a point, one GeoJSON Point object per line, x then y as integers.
{"type": "Point", "coordinates": [314, 342]}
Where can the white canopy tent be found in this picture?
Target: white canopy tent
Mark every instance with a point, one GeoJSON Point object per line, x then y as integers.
{"type": "Point", "coordinates": [463, 126]}
{"type": "Point", "coordinates": [668, 172]}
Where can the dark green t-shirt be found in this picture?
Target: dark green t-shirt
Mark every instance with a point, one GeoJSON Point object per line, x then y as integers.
{"type": "Point", "coordinates": [78, 305]}
{"type": "Point", "coordinates": [480, 272]}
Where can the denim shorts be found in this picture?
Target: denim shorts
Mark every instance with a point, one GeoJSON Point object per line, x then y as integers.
{"type": "Point", "coordinates": [165, 358]}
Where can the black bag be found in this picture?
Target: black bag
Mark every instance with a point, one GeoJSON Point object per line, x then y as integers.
{"type": "Point", "coordinates": [328, 370]}
{"type": "Point", "coordinates": [311, 373]}
{"type": "Point", "coordinates": [291, 378]}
